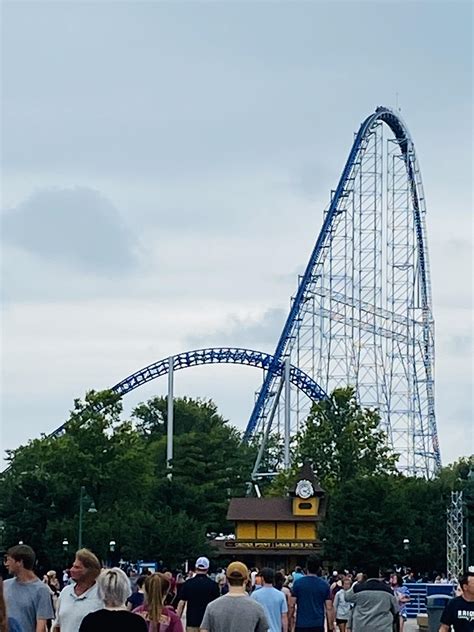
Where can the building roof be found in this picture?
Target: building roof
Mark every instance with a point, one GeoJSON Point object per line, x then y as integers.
{"type": "Point", "coordinates": [265, 509]}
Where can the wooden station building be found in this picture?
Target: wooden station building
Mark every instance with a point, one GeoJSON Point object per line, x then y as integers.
{"type": "Point", "coordinates": [277, 532]}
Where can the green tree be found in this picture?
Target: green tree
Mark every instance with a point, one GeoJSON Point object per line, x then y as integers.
{"type": "Point", "coordinates": [361, 524]}
{"type": "Point", "coordinates": [210, 462]}
{"type": "Point", "coordinates": [370, 516]}
{"type": "Point", "coordinates": [39, 495]}
{"type": "Point", "coordinates": [342, 439]}
{"type": "Point", "coordinates": [122, 465]}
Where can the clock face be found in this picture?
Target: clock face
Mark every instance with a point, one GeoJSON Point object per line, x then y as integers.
{"type": "Point", "coordinates": [304, 489]}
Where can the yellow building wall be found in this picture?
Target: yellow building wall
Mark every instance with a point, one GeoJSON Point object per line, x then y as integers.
{"type": "Point", "coordinates": [275, 531]}
{"type": "Point", "coordinates": [266, 531]}
{"type": "Point", "coordinates": [285, 531]}
{"type": "Point", "coordinates": [311, 510]}
{"type": "Point", "coordinates": [245, 531]}
{"type": "Point", "coordinates": [305, 531]}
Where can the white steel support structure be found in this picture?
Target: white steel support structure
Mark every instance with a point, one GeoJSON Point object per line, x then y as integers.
{"type": "Point", "coordinates": [170, 418]}
{"type": "Point", "coordinates": [286, 451]}
{"type": "Point", "coordinates": [364, 318]}
{"type": "Point", "coordinates": [454, 536]}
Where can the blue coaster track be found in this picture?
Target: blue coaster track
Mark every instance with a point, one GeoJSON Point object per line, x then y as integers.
{"type": "Point", "coordinates": [220, 355]}
{"type": "Point", "coordinates": [214, 355]}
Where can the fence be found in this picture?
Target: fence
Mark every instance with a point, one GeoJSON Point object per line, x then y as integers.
{"type": "Point", "coordinates": [419, 593]}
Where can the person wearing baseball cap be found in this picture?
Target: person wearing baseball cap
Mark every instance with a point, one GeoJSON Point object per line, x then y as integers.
{"type": "Point", "coordinates": [196, 593]}
{"type": "Point", "coordinates": [235, 611]}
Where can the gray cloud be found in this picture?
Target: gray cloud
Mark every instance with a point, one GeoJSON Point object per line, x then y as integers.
{"type": "Point", "coordinates": [313, 178]}
{"type": "Point", "coordinates": [458, 344]}
{"type": "Point", "coordinates": [458, 246]}
{"type": "Point", "coordinates": [261, 334]}
{"type": "Point", "coordinates": [77, 227]}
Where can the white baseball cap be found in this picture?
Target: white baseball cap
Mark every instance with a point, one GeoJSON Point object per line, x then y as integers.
{"type": "Point", "coordinates": [202, 563]}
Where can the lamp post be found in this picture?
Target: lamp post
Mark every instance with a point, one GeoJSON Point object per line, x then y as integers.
{"type": "Point", "coordinates": [406, 549]}
{"type": "Point", "coordinates": [79, 535]}
{"type": "Point", "coordinates": [2, 534]}
{"type": "Point", "coordinates": [65, 551]}
{"type": "Point", "coordinates": [112, 545]}
{"type": "Point", "coordinates": [82, 497]}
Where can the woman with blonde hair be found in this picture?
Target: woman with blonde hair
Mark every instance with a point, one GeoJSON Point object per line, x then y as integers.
{"type": "Point", "coordinates": [7, 624]}
{"type": "Point", "coordinates": [114, 588]}
{"type": "Point", "coordinates": [160, 618]}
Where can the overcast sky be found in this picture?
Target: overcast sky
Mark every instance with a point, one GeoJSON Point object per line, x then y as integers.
{"type": "Point", "coordinates": [165, 169]}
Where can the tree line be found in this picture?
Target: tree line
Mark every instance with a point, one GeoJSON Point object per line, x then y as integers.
{"type": "Point", "coordinates": [121, 464]}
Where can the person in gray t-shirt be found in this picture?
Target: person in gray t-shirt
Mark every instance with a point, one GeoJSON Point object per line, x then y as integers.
{"type": "Point", "coordinates": [236, 611]}
{"type": "Point", "coordinates": [27, 598]}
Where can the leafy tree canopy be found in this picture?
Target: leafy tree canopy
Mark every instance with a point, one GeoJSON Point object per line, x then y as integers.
{"type": "Point", "coordinates": [341, 440]}
{"type": "Point", "coordinates": [122, 465]}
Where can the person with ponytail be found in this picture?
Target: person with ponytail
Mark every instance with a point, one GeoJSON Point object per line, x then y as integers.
{"type": "Point", "coordinates": [113, 587]}
{"type": "Point", "coordinates": [160, 618]}
{"type": "Point", "coordinates": [7, 624]}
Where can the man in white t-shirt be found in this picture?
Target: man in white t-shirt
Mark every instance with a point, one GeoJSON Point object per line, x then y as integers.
{"type": "Point", "coordinates": [80, 598]}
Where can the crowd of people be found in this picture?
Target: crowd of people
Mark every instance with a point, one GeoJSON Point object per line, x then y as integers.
{"type": "Point", "coordinates": [234, 599]}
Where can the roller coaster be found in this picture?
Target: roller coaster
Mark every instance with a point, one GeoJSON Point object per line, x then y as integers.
{"type": "Point", "coordinates": [361, 314]}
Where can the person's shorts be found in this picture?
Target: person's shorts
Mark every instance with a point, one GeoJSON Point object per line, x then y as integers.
{"type": "Point", "coordinates": [342, 620]}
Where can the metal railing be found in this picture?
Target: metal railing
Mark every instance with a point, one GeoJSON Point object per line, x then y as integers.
{"type": "Point", "coordinates": [419, 593]}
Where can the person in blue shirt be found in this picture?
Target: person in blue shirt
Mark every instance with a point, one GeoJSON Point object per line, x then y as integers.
{"type": "Point", "coordinates": [311, 596]}
{"type": "Point", "coordinates": [273, 602]}
{"type": "Point", "coordinates": [6, 622]}
{"type": "Point", "coordinates": [27, 598]}
{"type": "Point", "coordinates": [297, 573]}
